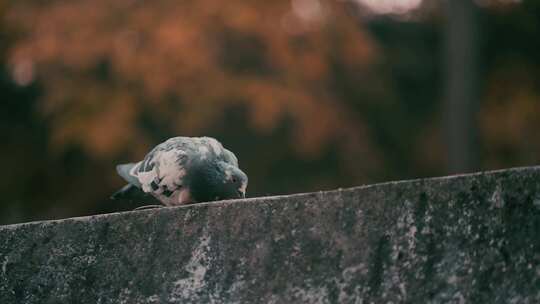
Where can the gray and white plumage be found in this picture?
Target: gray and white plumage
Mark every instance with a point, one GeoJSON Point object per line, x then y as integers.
{"type": "Point", "coordinates": [184, 170]}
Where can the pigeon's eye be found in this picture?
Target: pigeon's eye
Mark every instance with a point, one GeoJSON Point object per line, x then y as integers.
{"type": "Point", "coordinates": [234, 179]}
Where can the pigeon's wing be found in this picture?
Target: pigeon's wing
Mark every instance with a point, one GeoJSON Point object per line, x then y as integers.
{"type": "Point", "coordinates": [162, 171]}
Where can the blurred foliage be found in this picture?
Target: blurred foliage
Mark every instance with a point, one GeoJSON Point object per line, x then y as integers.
{"type": "Point", "coordinates": [310, 95]}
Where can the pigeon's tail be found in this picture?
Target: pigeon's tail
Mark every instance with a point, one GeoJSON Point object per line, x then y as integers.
{"type": "Point", "coordinates": [134, 194]}
{"type": "Point", "coordinates": [132, 191]}
{"type": "Point", "coordinates": [123, 192]}
{"type": "Point", "coordinates": [125, 172]}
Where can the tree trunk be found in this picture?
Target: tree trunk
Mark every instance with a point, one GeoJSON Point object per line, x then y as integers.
{"type": "Point", "coordinates": [461, 100]}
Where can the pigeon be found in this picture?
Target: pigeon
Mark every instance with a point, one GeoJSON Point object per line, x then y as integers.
{"type": "Point", "coordinates": [184, 170]}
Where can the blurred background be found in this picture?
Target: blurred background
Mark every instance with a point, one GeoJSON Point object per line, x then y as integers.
{"type": "Point", "coordinates": [310, 94]}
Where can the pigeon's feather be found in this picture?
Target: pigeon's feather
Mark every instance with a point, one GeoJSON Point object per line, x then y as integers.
{"type": "Point", "coordinates": [124, 171]}
{"type": "Point", "coordinates": [163, 170]}
{"type": "Point", "coordinates": [134, 194]}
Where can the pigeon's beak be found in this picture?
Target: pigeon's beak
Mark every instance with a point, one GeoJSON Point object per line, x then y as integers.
{"type": "Point", "coordinates": [242, 190]}
{"type": "Point", "coordinates": [241, 194]}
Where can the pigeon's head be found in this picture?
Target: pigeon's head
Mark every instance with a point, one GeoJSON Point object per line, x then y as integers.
{"type": "Point", "coordinates": [234, 181]}
{"type": "Point", "coordinates": [217, 181]}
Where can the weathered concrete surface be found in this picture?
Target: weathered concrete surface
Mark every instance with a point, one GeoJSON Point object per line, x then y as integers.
{"type": "Point", "coordinates": [463, 239]}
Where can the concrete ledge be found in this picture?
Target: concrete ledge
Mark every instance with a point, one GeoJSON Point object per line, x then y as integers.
{"type": "Point", "coordinates": [463, 239]}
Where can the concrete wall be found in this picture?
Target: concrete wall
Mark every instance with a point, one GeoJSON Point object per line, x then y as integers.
{"type": "Point", "coordinates": [462, 239]}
